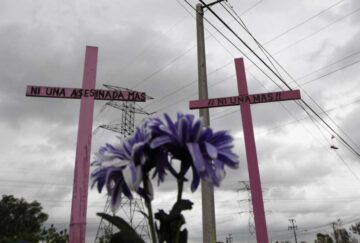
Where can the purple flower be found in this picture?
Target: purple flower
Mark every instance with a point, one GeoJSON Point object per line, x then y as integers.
{"type": "Point", "coordinates": [196, 146]}
{"type": "Point", "coordinates": [120, 168]}
{"type": "Point", "coordinates": [125, 167]}
{"type": "Point", "coordinates": [114, 180]}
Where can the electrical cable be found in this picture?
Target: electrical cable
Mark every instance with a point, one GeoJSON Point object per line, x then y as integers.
{"type": "Point", "coordinates": [251, 7]}
{"type": "Point", "coordinates": [146, 48]}
{"type": "Point", "coordinates": [258, 43]}
{"type": "Point", "coordinates": [303, 22]}
{"type": "Point", "coordinates": [328, 65]}
{"type": "Point", "coordinates": [292, 122]}
{"type": "Point", "coordinates": [273, 39]}
{"type": "Point", "coordinates": [169, 63]}
{"type": "Point", "coordinates": [315, 32]}
{"type": "Point", "coordinates": [267, 54]}
{"type": "Point", "coordinates": [277, 76]}
{"type": "Point", "coordinates": [327, 74]}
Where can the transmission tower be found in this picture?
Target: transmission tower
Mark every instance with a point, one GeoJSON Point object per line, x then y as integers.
{"type": "Point", "coordinates": [128, 208]}
{"type": "Point", "coordinates": [245, 187]}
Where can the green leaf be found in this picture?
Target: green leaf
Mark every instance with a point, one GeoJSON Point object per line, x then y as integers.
{"type": "Point", "coordinates": [126, 235]}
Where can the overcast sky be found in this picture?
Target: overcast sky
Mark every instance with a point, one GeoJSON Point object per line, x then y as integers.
{"type": "Point", "coordinates": [151, 46]}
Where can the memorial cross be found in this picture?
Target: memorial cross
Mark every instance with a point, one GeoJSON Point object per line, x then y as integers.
{"type": "Point", "coordinates": [244, 100]}
{"type": "Point", "coordinates": [83, 148]}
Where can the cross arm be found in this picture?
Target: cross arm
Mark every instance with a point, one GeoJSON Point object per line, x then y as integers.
{"type": "Point", "coordinates": [74, 93]}
{"type": "Point", "coordinates": [242, 99]}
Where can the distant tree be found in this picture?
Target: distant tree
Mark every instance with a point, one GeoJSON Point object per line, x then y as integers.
{"type": "Point", "coordinates": [20, 220]}
{"type": "Point", "coordinates": [321, 238]}
{"type": "Point", "coordinates": [343, 236]}
{"type": "Point", "coordinates": [355, 228]}
{"type": "Point", "coordinates": [51, 235]}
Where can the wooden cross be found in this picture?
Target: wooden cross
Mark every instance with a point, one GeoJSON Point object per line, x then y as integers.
{"type": "Point", "coordinates": [244, 100]}
{"type": "Point", "coordinates": [83, 148]}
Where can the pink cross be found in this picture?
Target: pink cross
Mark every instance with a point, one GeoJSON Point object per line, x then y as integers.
{"type": "Point", "coordinates": [244, 100]}
{"type": "Point", "coordinates": [83, 148]}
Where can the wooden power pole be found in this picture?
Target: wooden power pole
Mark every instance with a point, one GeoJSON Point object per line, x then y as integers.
{"type": "Point", "coordinates": [207, 189]}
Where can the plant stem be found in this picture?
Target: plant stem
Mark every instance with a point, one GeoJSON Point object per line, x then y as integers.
{"type": "Point", "coordinates": [180, 189]}
{"type": "Point", "coordinates": [150, 213]}
{"type": "Point", "coordinates": [151, 221]}
{"type": "Point", "coordinates": [179, 196]}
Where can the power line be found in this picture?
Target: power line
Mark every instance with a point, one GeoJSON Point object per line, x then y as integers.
{"type": "Point", "coordinates": [327, 74]}
{"type": "Point", "coordinates": [43, 183]}
{"type": "Point", "coordinates": [221, 67]}
{"type": "Point", "coordinates": [233, 110]}
{"type": "Point", "coordinates": [211, 34]}
{"type": "Point", "coordinates": [328, 65]}
{"type": "Point", "coordinates": [277, 76]}
{"type": "Point", "coordinates": [146, 48]}
{"type": "Point", "coordinates": [304, 22]}
{"type": "Point", "coordinates": [280, 78]}
{"type": "Point", "coordinates": [315, 32]}
{"type": "Point", "coordinates": [168, 64]}
{"type": "Point", "coordinates": [267, 54]}
{"type": "Point", "coordinates": [251, 7]}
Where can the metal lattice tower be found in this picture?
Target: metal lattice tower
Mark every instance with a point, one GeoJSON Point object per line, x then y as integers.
{"type": "Point", "coordinates": [244, 186]}
{"type": "Point", "coordinates": [129, 209]}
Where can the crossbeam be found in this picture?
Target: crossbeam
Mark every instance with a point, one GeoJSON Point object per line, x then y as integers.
{"type": "Point", "coordinates": [242, 99]}
{"type": "Point", "coordinates": [75, 93]}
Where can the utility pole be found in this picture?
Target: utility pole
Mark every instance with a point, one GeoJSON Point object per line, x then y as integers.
{"type": "Point", "coordinates": [293, 227]}
{"type": "Point", "coordinates": [207, 189]}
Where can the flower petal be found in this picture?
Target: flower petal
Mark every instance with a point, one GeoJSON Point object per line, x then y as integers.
{"type": "Point", "coordinates": [182, 127]}
{"type": "Point", "coordinates": [126, 190]}
{"type": "Point", "coordinates": [170, 124]}
{"type": "Point", "coordinates": [195, 181]}
{"type": "Point", "coordinates": [98, 178]}
{"type": "Point", "coordinates": [210, 175]}
{"type": "Point", "coordinates": [137, 154]}
{"type": "Point", "coordinates": [211, 150]}
{"type": "Point", "coordinates": [219, 169]}
{"type": "Point", "coordinates": [116, 197]}
{"type": "Point", "coordinates": [206, 135]}
{"type": "Point", "coordinates": [196, 132]}
{"type": "Point", "coordinates": [159, 141]}
{"type": "Point", "coordinates": [132, 176]}
{"type": "Point", "coordinates": [197, 158]}
{"type": "Point", "coordinates": [229, 159]}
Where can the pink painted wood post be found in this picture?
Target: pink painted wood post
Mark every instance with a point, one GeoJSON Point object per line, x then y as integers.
{"type": "Point", "coordinates": [244, 100]}
{"type": "Point", "coordinates": [253, 168]}
{"type": "Point", "coordinates": [83, 149]}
